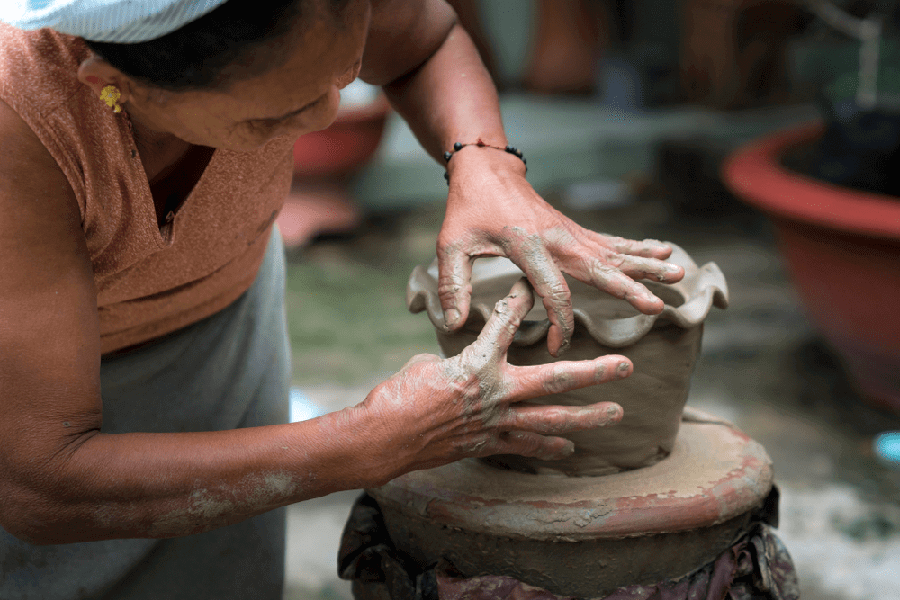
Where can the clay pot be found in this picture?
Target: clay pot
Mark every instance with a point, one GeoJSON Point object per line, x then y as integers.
{"type": "Point", "coordinates": [842, 249]}
{"type": "Point", "coordinates": [733, 52]}
{"type": "Point", "coordinates": [662, 347]}
{"type": "Point", "coordinates": [569, 38]}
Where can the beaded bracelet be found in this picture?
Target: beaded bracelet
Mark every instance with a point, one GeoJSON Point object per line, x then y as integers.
{"type": "Point", "coordinates": [459, 146]}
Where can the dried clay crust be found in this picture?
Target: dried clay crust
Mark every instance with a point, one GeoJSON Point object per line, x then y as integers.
{"type": "Point", "coordinates": [663, 348]}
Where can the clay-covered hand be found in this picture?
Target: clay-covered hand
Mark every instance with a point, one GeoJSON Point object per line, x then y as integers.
{"type": "Point", "coordinates": [493, 211]}
{"type": "Point", "coordinates": [437, 411]}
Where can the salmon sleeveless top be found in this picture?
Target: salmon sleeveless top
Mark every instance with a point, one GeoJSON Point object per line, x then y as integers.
{"type": "Point", "coordinates": [150, 281]}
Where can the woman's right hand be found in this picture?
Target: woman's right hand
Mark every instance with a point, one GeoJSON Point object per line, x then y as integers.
{"type": "Point", "coordinates": [435, 411]}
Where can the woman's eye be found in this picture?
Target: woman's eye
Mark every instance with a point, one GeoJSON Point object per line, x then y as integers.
{"type": "Point", "coordinates": [272, 122]}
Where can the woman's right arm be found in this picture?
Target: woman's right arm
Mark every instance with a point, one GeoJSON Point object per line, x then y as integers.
{"type": "Point", "coordinates": [62, 479]}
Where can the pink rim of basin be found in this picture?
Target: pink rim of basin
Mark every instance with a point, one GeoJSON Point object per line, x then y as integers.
{"type": "Point", "coordinates": [755, 174]}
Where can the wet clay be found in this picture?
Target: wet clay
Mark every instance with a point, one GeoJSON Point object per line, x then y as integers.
{"type": "Point", "coordinates": [662, 347]}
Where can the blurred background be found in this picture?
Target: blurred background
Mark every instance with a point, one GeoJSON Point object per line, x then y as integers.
{"type": "Point", "coordinates": [757, 134]}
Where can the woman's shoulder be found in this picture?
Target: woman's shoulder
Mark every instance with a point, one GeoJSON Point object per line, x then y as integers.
{"type": "Point", "coordinates": [39, 83]}
{"type": "Point", "coordinates": [25, 162]}
{"type": "Point", "coordinates": [38, 69]}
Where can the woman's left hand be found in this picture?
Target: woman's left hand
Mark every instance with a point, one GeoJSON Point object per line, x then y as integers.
{"type": "Point", "coordinates": [493, 211]}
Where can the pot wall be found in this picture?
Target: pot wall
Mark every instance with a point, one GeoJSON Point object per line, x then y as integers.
{"type": "Point", "coordinates": [663, 348]}
{"type": "Point", "coordinates": [652, 399]}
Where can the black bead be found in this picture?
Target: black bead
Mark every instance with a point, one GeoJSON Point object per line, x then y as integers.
{"type": "Point", "coordinates": [447, 177]}
{"type": "Point", "coordinates": [525, 162]}
{"type": "Point", "coordinates": [447, 156]}
{"type": "Point", "coordinates": [457, 146]}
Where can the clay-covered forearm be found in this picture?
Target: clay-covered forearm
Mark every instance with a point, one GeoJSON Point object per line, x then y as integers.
{"type": "Point", "coordinates": [450, 98]}
{"type": "Point", "coordinates": [166, 485]}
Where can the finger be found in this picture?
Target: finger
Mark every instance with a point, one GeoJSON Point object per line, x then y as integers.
{"type": "Point", "coordinates": [559, 420]}
{"type": "Point", "coordinates": [454, 286]}
{"type": "Point", "coordinates": [549, 284]}
{"type": "Point", "coordinates": [647, 248]}
{"type": "Point", "coordinates": [639, 267]}
{"type": "Point", "coordinates": [612, 273]}
{"type": "Point", "coordinates": [499, 331]}
{"type": "Point", "coordinates": [532, 445]}
{"type": "Point", "coordinates": [618, 284]}
{"type": "Point", "coordinates": [565, 376]}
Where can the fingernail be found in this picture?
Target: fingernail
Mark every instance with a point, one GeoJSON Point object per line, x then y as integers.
{"type": "Point", "coordinates": [623, 369]}
{"type": "Point", "coordinates": [451, 317]}
{"type": "Point", "coordinates": [613, 413]}
{"type": "Point", "coordinates": [567, 451]}
{"type": "Point", "coordinates": [554, 338]}
{"type": "Point", "coordinates": [668, 270]}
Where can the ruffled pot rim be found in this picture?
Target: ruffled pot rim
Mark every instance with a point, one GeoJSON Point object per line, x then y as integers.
{"type": "Point", "coordinates": [701, 289]}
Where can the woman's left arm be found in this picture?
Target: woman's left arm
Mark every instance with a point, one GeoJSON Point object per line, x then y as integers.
{"type": "Point", "coordinates": [434, 77]}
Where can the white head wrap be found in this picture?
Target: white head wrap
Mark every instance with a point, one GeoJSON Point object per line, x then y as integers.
{"type": "Point", "coordinates": [121, 21]}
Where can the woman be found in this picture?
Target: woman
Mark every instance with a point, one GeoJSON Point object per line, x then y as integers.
{"type": "Point", "coordinates": [143, 354]}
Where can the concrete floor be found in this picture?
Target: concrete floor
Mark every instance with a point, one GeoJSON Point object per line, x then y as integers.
{"type": "Point", "coordinates": [762, 367]}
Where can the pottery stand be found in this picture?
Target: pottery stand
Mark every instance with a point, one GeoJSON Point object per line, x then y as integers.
{"type": "Point", "coordinates": [656, 497]}
{"type": "Point", "coordinates": [585, 536]}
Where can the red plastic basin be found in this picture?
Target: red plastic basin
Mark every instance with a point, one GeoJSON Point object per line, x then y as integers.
{"type": "Point", "coordinates": [842, 249]}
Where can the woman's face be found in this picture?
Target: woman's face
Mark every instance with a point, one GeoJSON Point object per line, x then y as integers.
{"type": "Point", "coordinates": [296, 97]}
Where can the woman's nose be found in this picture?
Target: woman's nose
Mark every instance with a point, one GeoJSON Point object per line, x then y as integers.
{"type": "Point", "coordinates": [327, 116]}
{"type": "Point", "coordinates": [348, 77]}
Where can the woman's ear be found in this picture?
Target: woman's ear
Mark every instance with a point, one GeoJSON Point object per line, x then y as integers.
{"type": "Point", "coordinates": [96, 73]}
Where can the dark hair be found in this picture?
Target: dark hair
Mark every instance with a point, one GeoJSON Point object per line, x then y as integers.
{"type": "Point", "coordinates": [217, 48]}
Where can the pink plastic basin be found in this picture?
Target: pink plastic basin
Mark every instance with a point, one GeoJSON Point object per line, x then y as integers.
{"type": "Point", "coordinates": [842, 249]}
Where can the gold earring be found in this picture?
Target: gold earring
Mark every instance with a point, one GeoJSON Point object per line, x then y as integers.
{"type": "Point", "coordinates": [111, 95]}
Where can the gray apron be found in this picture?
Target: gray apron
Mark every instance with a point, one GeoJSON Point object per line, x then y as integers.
{"type": "Point", "coordinates": [228, 371]}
